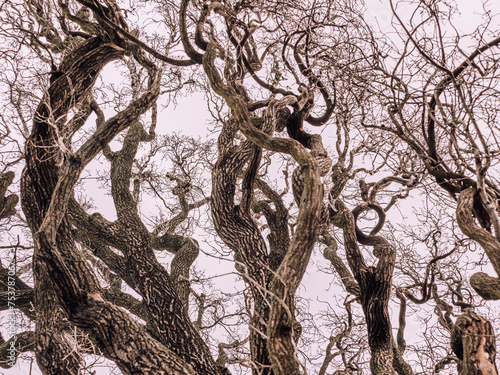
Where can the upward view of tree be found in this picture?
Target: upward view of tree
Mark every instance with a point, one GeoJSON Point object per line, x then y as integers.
{"type": "Point", "coordinates": [341, 216]}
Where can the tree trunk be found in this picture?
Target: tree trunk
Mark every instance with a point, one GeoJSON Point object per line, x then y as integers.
{"type": "Point", "coordinates": [473, 341]}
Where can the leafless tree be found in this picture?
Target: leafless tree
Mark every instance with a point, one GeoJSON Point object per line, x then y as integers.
{"type": "Point", "coordinates": [413, 122]}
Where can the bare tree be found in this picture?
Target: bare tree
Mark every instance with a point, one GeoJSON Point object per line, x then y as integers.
{"type": "Point", "coordinates": [412, 117]}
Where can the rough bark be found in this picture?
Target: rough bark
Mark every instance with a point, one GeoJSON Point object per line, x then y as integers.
{"type": "Point", "coordinates": [473, 342]}
{"type": "Point", "coordinates": [240, 232]}
{"type": "Point", "coordinates": [375, 286]}
{"type": "Point", "coordinates": [65, 287]}
{"type": "Point", "coordinates": [164, 296]}
{"type": "Point", "coordinates": [486, 286]}
{"type": "Point", "coordinates": [330, 253]}
{"type": "Point", "coordinates": [277, 219]}
{"type": "Point", "coordinates": [281, 343]}
{"type": "Point", "coordinates": [24, 342]}
{"type": "Point", "coordinates": [44, 151]}
{"type": "Point", "coordinates": [7, 202]}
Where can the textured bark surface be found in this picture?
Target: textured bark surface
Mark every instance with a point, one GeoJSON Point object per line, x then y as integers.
{"type": "Point", "coordinates": [239, 231]}
{"type": "Point", "coordinates": [375, 287]}
{"type": "Point", "coordinates": [7, 202]}
{"type": "Point", "coordinates": [41, 176]}
{"type": "Point", "coordinates": [65, 288]}
{"type": "Point", "coordinates": [278, 318]}
{"type": "Point", "coordinates": [486, 286]}
{"type": "Point", "coordinates": [473, 341]}
{"type": "Point", "coordinates": [331, 57]}
{"type": "Point", "coordinates": [166, 311]}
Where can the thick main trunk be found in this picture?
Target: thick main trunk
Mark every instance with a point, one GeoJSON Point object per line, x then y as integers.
{"type": "Point", "coordinates": [241, 234]}
{"type": "Point", "coordinates": [281, 343]}
{"type": "Point", "coordinates": [44, 153]}
{"type": "Point", "coordinates": [66, 289]}
{"type": "Point", "coordinates": [375, 294]}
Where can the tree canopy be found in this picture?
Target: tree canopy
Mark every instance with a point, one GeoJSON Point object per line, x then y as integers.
{"type": "Point", "coordinates": [338, 215]}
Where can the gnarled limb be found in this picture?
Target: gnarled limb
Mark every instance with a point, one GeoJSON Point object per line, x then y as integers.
{"type": "Point", "coordinates": [289, 274]}
{"type": "Point", "coordinates": [473, 342]}
{"type": "Point", "coordinates": [315, 81]}
{"type": "Point", "coordinates": [188, 47]}
{"type": "Point", "coordinates": [65, 288]}
{"type": "Point", "coordinates": [486, 286]}
{"type": "Point", "coordinates": [44, 152]}
{"type": "Point", "coordinates": [375, 286]}
{"type": "Point", "coordinates": [277, 219]}
{"type": "Point", "coordinates": [330, 253]}
{"type": "Point", "coordinates": [490, 244]}
{"type": "Point", "coordinates": [117, 25]}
